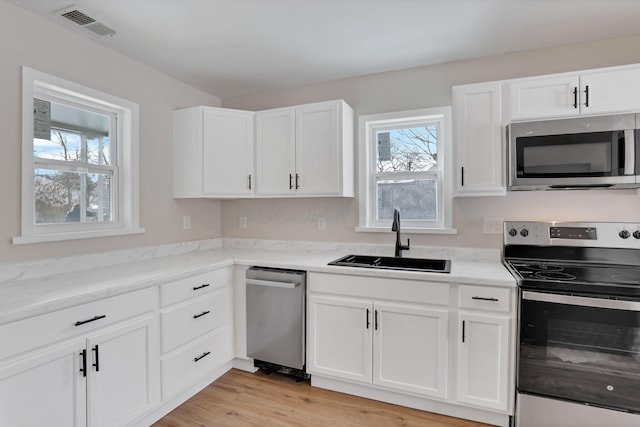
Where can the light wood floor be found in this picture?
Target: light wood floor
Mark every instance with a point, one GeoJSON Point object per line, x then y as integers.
{"type": "Point", "coordinates": [239, 398]}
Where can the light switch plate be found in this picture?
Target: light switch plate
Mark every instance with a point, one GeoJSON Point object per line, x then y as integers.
{"type": "Point", "coordinates": [322, 223]}
{"type": "Point", "coordinates": [186, 222]}
{"type": "Point", "coordinates": [242, 222]}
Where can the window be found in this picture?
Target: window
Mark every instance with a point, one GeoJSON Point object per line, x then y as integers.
{"type": "Point", "coordinates": [79, 161]}
{"type": "Point", "coordinates": [405, 164]}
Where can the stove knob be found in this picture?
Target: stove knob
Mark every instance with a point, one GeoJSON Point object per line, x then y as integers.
{"type": "Point", "coordinates": [513, 232]}
{"type": "Point", "coordinates": [524, 232]}
{"type": "Point", "coordinates": [624, 234]}
{"type": "Point", "coordinates": [636, 234]}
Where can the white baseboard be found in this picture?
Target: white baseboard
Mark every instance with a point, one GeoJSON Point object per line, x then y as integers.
{"type": "Point", "coordinates": [423, 404]}
{"type": "Point", "coordinates": [244, 365]}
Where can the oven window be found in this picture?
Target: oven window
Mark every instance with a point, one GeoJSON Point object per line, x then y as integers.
{"type": "Point", "coordinates": [583, 354]}
{"type": "Point", "coordinates": [575, 155]}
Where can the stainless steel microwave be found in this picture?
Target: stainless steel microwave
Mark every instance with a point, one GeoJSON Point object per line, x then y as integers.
{"type": "Point", "coordinates": [574, 153]}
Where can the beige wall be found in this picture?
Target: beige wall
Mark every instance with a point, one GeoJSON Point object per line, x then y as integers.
{"type": "Point", "coordinates": [428, 87]}
{"type": "Point", "coordinates": [26, 39]}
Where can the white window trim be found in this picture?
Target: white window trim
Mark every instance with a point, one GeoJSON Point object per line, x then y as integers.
{"type": "Point", "coordinates": [366, 158]}
{"type": "Point", "coordinates": [128, 221]}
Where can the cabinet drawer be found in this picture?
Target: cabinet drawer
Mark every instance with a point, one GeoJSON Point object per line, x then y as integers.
{"type": "Point", "coordinates": [187, 366]}
{"type": "Point", "coordinates": [193, 286]}
{"type": "Point", "coordinates": [193, 319]}
{"type": "Point", "coordinates": [27, 334]}
{"type": "Point", "coordinates": [485, 298]}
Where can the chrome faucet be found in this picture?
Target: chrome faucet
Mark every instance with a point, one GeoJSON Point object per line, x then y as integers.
{"type": "Point", "coordinates": [396, 227]}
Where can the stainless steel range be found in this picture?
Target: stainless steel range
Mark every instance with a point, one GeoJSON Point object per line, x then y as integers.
{"type": "Point", "coordinates": [579, 322]}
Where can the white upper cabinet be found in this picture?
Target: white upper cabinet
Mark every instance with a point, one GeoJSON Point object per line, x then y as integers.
{"type": "Point", "coordinates": [611, 90]}
{"type": "Point", "coordinates": [213, 153]}
{"type": "Point", "coordinates": [306, 150]}
{"type": "Point", "coordinates": [478, 140]}
{"type": "Point", "coordinates": [542, 97]}
{"type": "Point", "coordinates": [602, 91]}
{"type": "Point", "coordinates": [275, 152]}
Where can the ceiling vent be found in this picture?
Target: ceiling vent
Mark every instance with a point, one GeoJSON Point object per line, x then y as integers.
{"type": "Point", "coordinates": [71, 13]}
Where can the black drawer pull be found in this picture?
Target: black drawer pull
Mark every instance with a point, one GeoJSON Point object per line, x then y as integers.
{"type": "Point", "coordinates": [205, 354]}
{"type": "Point", "coordinates": [486, 299]}
{"type": "Point", "coordinates": [195, 288]}
{"type": "Point", "coordinates": [82, 322]}
{"type": "Point", "coordinates": [463, 330]}
{"type": "Point", "coordinates": [195, 316]}
{"type": "Point", "coordinates": [97, 364]}
{"type": "Point", "coordinates": [83, 367]}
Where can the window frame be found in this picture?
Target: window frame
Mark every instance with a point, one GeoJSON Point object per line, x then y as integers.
{"type": "Point", "coordinates": [369, 176]}
{"type": "Point", "coordinates": [125, 201]}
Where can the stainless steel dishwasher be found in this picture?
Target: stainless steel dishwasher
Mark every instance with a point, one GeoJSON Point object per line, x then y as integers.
{"type": "Point", "coordinates": [276, 319]}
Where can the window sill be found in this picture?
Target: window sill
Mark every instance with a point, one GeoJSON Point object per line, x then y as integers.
{"type": "Point", "coordinates": [59, 237]}
{"type": "Point", "coordinates": [407, 230]}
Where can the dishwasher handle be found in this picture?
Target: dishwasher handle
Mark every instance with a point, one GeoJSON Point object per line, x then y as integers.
{"type": "Point", "coordinates": [287, 285]}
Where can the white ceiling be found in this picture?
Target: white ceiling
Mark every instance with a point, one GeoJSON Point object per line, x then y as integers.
{"type": "Point", "coordinates": [237, 47]}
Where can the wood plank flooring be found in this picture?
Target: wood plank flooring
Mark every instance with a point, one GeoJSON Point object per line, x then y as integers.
{"type": "Point", "coordinates": [240, 398]}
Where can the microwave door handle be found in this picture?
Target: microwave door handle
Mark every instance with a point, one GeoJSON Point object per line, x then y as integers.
{"type": "Point", "coordinates": [629, 152]}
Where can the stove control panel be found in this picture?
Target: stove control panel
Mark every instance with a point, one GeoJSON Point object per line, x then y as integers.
{"type": "Point", "coordinates": [596, 234]}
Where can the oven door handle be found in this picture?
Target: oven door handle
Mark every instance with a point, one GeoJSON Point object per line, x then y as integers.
{"type": "Point", "coordinates": [581, 301]}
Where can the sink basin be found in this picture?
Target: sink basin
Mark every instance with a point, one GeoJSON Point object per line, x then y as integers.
{"type": "Point", "coordinates": [395, 263]}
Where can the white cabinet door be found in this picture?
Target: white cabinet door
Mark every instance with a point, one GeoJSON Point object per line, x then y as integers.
{"type": "Point", "coordinates": [275, 152]}
{"type": "Point", "coordinates": [339, 337]}
{"type": "Point", "coordinates": [410, 348]}
{"type": "Point", "coordinates": [544, 97]}
{"type": "Point", "coordinates": [227, 152]}
{"type": "Point", "coordinates": [124, 373]}
{"type": "Point", "coordinates": [318, 142]}
{"type": "Point", "coordinates": [478, 136]}
{"type": "Point", "coordinates": [45, 388]}
{"type": "Point", "coordinates": [483, 360]}
{"type": "Point", "coordinates": [610, 91]}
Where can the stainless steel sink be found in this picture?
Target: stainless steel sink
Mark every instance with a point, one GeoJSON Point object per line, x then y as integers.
{"type": "Point", "coordinates": [395, 263]}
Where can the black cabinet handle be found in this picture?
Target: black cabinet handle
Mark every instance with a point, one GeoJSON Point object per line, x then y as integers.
{"type": "Point", "coordinates": [82, 322]}
{"type": "Point", "coordinates": [96, 357]}
{"type": "Point", "coordinates": [586, 93]}
{"type": "Point", "coordinates": [463, 326]}
{"type": "Point", "coordinates": [195, 316]}
{"type": "Point", "coordinates": [485, 299]}
{"type": "Point", "coordinates": [575, 97]}
{"type": "Point", "coordinates": [195, 288]}
{"type": "Point", "coordinates": [462, 176]}
{"type": "Point", "coordinates": [297, 178]}
{"type": "Point", "coordinates": [249, 181]}
{"type": "Point", "coordinates": [83, 365]}
{"type": "Point", "coordinates": [290, 182]}
{"type": "Point", "coordinates": [375, 322]}
{"type": "Point", "coordinates": [368, 318]}
{"type": "Point", "coordinates": [203, 355]}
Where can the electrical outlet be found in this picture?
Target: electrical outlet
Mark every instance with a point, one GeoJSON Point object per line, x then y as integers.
{"type": "Point", "coordinates": [242, 222]}
{"type": "Point", "coordinates": [493, 225]}
{"type": "Point", "coordinates": [322, 223]}
{"type": "Point", "coordinates": [186, 222]}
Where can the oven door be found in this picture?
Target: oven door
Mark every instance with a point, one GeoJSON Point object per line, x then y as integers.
{"type": "Point", "coordinates": [580, 349]}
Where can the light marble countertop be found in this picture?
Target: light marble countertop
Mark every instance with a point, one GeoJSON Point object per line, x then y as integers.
{"type": "Point", "coordinates": [37, 291]}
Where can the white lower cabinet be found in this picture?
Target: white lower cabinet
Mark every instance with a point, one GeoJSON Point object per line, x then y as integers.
{"type": "Point", "coordinates": [45, 388]}
{"type": "Point", "coordinates": [483, 365]}
{"type": "Point", "coordinates": [410, 348]}
{"type": "Point", "coordinates": [339, 337]}
{"type": "Point", "coordinates": [395, 345]}
{"type": "Point", "coordinates": [196, 329]}
{"type": "Point", "coordinates": [387, 335]}
{"type": "Point", "coordinates": [122, 373]}
{"type": "Point", "coordinates": [107, 378]}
